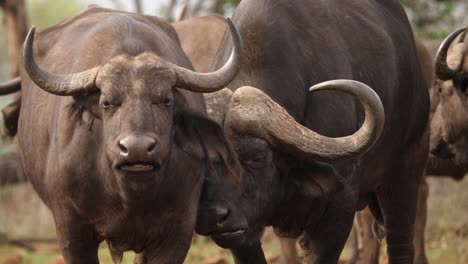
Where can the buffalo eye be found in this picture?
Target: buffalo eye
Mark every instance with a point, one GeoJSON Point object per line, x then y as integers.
{"type": "Point", "coordinates": [257, 162]}
{"type": "Point", "coordinates": [259, 158]}
{"type": "Point", "coordinates": [461, 83]}
{"type": "Point", "coordinates": [168, 102]}
{"type": "Point", "coordinates": [105, 104]}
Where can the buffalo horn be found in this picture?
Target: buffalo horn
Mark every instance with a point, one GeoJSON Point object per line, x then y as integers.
{"type": "Point", "coordinates": [214, 81]}
{"type": "Point", "coordinates": [58, 84]}
{"type": "Point", "coordinates": [443, 71]}
{"type": "Point", "coordinates": [255, 113]}
{"type": "Point", "coordinates": [10, 86]}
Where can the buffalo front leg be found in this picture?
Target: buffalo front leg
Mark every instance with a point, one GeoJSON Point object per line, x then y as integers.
{"type": "Point", "coordinates": [398, 200]}
{"type": "Point", "coordinates": [354, 243]}
{"type": "Point", "coordinates": [324, 242]}
{"type": "Point", "coordinates": [78, 241]}
{"type": "Point", "coordinates": [370, 244]}
{"type": "Point", "coordinates": [420, 224]}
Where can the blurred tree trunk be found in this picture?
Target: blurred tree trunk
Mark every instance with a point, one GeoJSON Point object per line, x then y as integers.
{"type": "Point", "coordinates": [197, 7]}
{"type": "Point", "coordinates": [170, 9]}
{"type": "Point", "coordinates": [16, 25]}
{"type": "Point", "coordinates": [216, 7]}
{"type": "Point", "coordinates": [138, 7]}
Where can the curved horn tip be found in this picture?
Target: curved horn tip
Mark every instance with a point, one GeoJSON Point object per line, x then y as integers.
{"type": "Point", "coordinates": [214, 81]}
{"type": "Point", "coordinates": [353, 87]}
{"type": "Point", "coordinates": [327, 85]}
{"type": "Point", "coordinates": [235, 32]}
{"type": "Point", "coordinates": [318, 86]}
{"type": "Point", "coordinates": [29, 39]}
{"type": "Point", "coordinates": [450, 38]}
{"type": "Point", "coordinates": [374, 122]}
{"type": "Point", "coordinates": [31, 32]}
{"type": "Point", "coordinates": [32, 29]}
{"type": "Point", "coordinates": [463, 35]}
{"type": "Point", "coordinates": [58, 84]}
{"type": "Point", "coordinates": [236, 36]}
{"type": "Point", "coordinates": [443, 71]}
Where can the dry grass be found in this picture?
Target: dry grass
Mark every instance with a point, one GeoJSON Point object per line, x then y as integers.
{"type": "Point", "coordinates": [23, 216]}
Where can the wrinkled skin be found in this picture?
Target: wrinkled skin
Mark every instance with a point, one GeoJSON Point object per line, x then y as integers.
{"type": "Point", "coordinates": [126, 161]}
{"type": "Point", "coordinates": [284, 56]}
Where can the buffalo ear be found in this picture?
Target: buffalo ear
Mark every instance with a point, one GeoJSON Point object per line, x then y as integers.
{"type": "Point", "coordinates": [10, 117]}
{"type": "Point", "coordinates": [89, 102]}
{"type": "Point", "coordinates": [204, 139]}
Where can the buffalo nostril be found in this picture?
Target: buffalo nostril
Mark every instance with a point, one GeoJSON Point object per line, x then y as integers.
{"type": "Point", "coordinates": [122, 147]}
{"type": "Point", "coordinates": [441, 150]}
{"type": "Point", "coordinates": [223, 218]}
{"type": "Point", "coordinates": [152, 146]}
{"type": "Point", "coordinates": [222, 214]}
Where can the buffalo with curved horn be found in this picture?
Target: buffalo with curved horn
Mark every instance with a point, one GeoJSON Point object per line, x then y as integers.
{"type": "Point", "coordinates": [449, 125]}
{"type": "Point", "coordinates": [302, 173]}
{"type": "Point", "coordinates": [113, 137]}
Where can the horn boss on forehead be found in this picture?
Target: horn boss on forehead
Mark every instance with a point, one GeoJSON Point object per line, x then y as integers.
{"type": "Point", "coordinates": [254, 111]}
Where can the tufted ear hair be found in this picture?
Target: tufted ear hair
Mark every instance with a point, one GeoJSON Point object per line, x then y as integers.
{"type": "Point", "coordinates": [204, 139]}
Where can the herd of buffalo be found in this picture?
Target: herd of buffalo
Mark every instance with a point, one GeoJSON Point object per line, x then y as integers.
{"type": "Point", "coordinates": [295, 115]}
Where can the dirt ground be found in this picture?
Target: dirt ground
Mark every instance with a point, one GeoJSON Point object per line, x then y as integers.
{"type": "Point", "coordinates": [23, 217]}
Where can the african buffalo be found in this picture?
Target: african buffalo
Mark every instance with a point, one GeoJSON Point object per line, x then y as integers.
{"type": "Point", "coordinates": [200, 38]}
{"type": "Point", "coordinates": [435, 167]}
{"type": "Point", "coordinates": [449, 125]}
{"type": "Point", "coordinates": [113, 138]}
{"type": "Point", "coordinates": [302, 183]}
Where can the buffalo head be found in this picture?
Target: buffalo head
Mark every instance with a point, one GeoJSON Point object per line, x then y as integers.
{"type": "Point", "coordinates": [449, 125]}
{"type": "Point", "coordinates": [267, 140]}
{"type": "Point", "coordinates": [140, 103]}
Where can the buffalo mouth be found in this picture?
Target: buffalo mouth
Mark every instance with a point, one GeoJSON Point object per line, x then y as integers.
{"type": "Point", "coordinates": [229, 234]}
{"type": "Point", "coordinates": [139, 167]}
{"type": "Point", "coordinates": [229, 239]}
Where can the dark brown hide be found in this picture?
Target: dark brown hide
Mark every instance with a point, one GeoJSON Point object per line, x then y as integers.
{"type": "Point", "coordinates": [290, 46]}
{"type": "Point", "coordinates": [125, 160]}
{"type": "Point", "coordinates": [435, 167]}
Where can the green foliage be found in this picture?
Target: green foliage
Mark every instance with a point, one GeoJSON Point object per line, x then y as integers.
{"type": "Point", "coordinates": [45, 13]}
{"type": "Point", "coordinates": [434, 19]}
{"type": "Point", "coordinates": [226, 5]}
{"type": "Point", "coordinates": [434, 35]}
